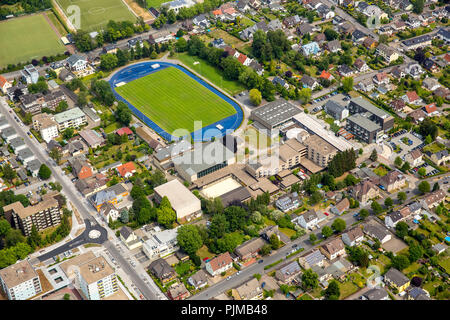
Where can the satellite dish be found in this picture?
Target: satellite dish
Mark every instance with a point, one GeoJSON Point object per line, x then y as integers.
{"type": "Point", "coordinates": [373, 22]}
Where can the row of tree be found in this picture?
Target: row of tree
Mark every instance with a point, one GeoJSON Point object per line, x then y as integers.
{"type": "Point", "coordinates": [112, 32]}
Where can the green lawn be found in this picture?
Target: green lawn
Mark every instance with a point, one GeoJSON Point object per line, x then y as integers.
{"type": "Point", "coordinates": [96, 14]}
{"type": "Point", "coordinates": [380, 171]}
{"type": "Point", "coordinates": [210, 72]}
{"type": "Point", "coordinates": [288, 232]}
{"type": "Point", "coordinates": [347, 288]}
{"type": "Point", "coordinates": [173, 100]}
{"type": "Point", "coordinates": [413, 267]}
{"type": "Point", "coordinates": [204, 252]}
{"type": "Point", "coordinates": [444, 262]}
{"type": "Point", "coordinates": [27, 38]}
{"type": "Point", "coordinates": [155, 3]}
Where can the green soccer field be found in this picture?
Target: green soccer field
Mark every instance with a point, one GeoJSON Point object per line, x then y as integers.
{"type": "Point", "coordinates": [95, 14]}
{"type": "Point", "coordinates": [27, 38]}
{"type": "Point", "coordinates": [173, 100]}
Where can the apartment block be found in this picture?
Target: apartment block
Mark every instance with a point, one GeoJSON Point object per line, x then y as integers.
{"type": "Point", "coordinates": [46, 125]}
{"type": "Point", "coordinates": [43, 215]}
{"type": "Point", "coordinates": [20, 281]}
{"type": "Point", "coordinates": [72, 118]}
{"type": "Point", "coordinates": [97, 279]}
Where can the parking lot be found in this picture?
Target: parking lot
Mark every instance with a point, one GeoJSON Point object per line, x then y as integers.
{"type": "Point", "coordinates": [430, 170]}
{"type": "Point", "coordinates": [317, 104]}
{"type": "Point", "coordinates": [398, 140]}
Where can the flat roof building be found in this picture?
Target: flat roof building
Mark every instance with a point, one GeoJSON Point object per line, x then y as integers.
{"type": "Point", "coordinates": [313, 126]}
{"type": "Point", "coordinates": [183, 202]}
{"type": "Point", "coordinates": [97, 279]}
{"type": "Point", "coordinates": [203, 160]}
{"type": "Point", "coordinates": [72, 118]}
{"type": "Point", "coordinates": [20, 281]}
{"type": "Point", "coordinates": [274, 114]}
{"type": "Point", "coordinates": [43, 215]}
{"type": "Point", "coordinates": [377, 115]}
{"type": "Point", "coordinates": [363, 128]}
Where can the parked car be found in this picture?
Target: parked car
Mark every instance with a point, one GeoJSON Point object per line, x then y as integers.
{"type": "Point", "coordinates": [260, 261]}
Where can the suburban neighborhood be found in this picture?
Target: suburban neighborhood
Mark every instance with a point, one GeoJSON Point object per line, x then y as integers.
{"type": "Point", "coordinates": [225, 150]}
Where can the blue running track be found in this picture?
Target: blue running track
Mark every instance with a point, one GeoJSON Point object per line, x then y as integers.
{"type": "Point", "coordinates": [142, 69]}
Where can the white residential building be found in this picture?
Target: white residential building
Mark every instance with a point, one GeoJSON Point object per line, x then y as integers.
{"type": "Point", "coordinates": [20, 281]}
{"type": "Point", "coordinates": [46, 125]}
{"type": "Point", "coordinates": [72, 118]}
{"type": "Point", "coordinates": [97, 279]}
{"type": "Point", "coordinates": [219, 264]}
{"type": "Point", "coordinates": [161, 244]}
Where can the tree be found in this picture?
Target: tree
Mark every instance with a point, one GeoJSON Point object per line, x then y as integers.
{"type": "Point", "coordinates": [424, 187]}
{"type": "Point", "coordinates": [376, 207]}
{"type": "Point", "coordinates": [422, 172]}
{"type": "Point", "coordinates": [310, 279]}
{"type": "Point", "coordinates": [8, 172]}
{"type": "Point", "coordinates": [332, 292]}
{"type": "Point", "coordinates": [62, 106]}
{"type": "Point", "coordinates": [339, 225]}
{"type": "Point", "coordinates": [108, 61]}
{"type": "Point", "coordinates": [13, 237]}
{"type": "Point", "coordinates": [398, 162]}
{"type": "Point", "coordinates": [256, 218]}
{"type": "Point", "coordinates": [312, 237]}
{"type": "Point", "coordinates": [166, 216]}
{"type": "Point", "coordinates": [315, 198]}
{"type": "Point", "coordinates": [255, 97]}
{"type": "Point", "coordinates": [304, 95]}
{"type": "Point", "coordinates": [405, 167]}
{"type": "Point", "coordinates": [330, 34]}
{"type": "Point", "coordinates": [418, 6]}
{"type": "Point", "coordinates": [415, 253]}
{"type": "Point", "coordinates": [66, 296]}
{"type": "Point", "coordinates": [327, 231]}
{"type": "Point", "coordinates": [364, 213]}
{"type": "Point", "coordinates": [219, 226]}
{"type": "Point", "coordinates": [123, 113]}
{"type": "Point", "coordinates": [388, 202]}
{"type": "Point", "coordinates": [228, 242]}
{"type": "Point", "coordinates": [274, 241]}
{"type": "Point", "coordinates": [4, 227]}
{"type": "Point", "coordinates": [400, 262]}
{"type": "Point", "coordinates": [44, 172]}
{"type": "Point", "coordinates": [401, 229]}
{"type": "Point", "coordinates": [68, 133]}
{"type": "Point", "coordinates": [435, 187]}
{"type": "Point", "coordinates": [401, 196]}
{"type": "Point", "coordinates": [56, 155]}
{"type": "Point", "coordinates": [374, 155]}
{"type": "Point", "coordinates": [189, 239]}
{"type": "Point", "coordinates": [347, 84]}
{"type": "Point", "coordinates": [265, 250]}
{"type": "Point", "coordinates": [124, 216]}
{"type": "Point", "coordinates": [35, 238]}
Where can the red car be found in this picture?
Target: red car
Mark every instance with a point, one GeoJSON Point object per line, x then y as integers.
{"type": "Point", "coordinates": [326, 213]}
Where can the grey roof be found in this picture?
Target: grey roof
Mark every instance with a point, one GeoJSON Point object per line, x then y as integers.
{"type": "Point", "coordinates": [415, 292]}
{"type": "Point", "coordinates": [193, 162]}
{"type": "Point", "coordinates": [376, 231]}
{"type": "Point", "coordinates": [310, 215]}
{"type": "Point", "coordinates": [276, 111]}
{"type": "Point", "coordinates": [7, 132]}
{"type": "Point", "coordinates": [376, 294]}
{"type": "Point", "coordinates": [25, 153]}
{"type": "Point", "coordinates": [358, 34]}
{"type": "Point", "coordinates": [441, 154]}
{"type": "Point", "coordinates": [396, 277]}
{"type": "Point", "coordinates": [364, 122]}
{"type": "Point", "coordinates": [360, 101]}
{"type": "Point", "coordinates": [333, 106]}
{"type": "Point", "coordinates": [414, 206]}
{"type": "Point", "coordinates": [417, 40]}
{"type": "Point", "coordinates": [16, 142]}
{"type": "Point", "coordinates": [314, 258]}
{"type": "Point", "coordinates": [160, 268]}
{"type": "Point", "coordinates": [173, 150]}
{"type": "Point", "coordinates": [74, 59]}
{"type": "Point", "coordinates": [126, 232]}
{"type": "Point", "coordinates": [108, 194]}
{"type": "Point", "coordinates": [290, 268]}
{"type": "Point", "coordinates": [22, 174]}
{"type": "Point", "coordinates": [395, 216]}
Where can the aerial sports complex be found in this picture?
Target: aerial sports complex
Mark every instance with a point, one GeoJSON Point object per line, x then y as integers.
{"type": "Point", "coordinates": [167, 97]}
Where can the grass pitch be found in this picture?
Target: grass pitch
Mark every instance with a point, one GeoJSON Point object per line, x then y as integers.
{"type": "Point", "coordinates": [95, 14]}
{"type": "Point", "coordinates": [27, 38]}
{"type": "Point", "coordinates": [173, 100]}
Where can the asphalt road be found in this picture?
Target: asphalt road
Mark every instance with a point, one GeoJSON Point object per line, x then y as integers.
{"type": "Point", "coordinates": [78, 241]}
{"type": "Point", "coordinates": [248, 272]}
{"type": "Point", "coordinates": [73, 196]}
